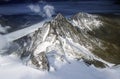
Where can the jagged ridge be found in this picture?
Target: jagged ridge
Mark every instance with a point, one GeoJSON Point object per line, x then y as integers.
{"type": "Point", "coordinates": [59, 41]}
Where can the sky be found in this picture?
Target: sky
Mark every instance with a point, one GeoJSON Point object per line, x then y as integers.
{"type": "Point", "coordinates": [19, 1]}
{"type": "Point", "coordinates": [4, 2]}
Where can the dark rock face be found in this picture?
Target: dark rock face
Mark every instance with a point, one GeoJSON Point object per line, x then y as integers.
{"type": "Point", "coordinates": [63, 28]}
{"type": "Point", "coordinates": [27, 46]}
{"type": "Point", "coordinates": [61, 39]}
{"type": "Point", "coordinates": [40, 62]}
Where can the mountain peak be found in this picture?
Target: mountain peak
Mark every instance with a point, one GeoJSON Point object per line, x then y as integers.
{"type": "Point", "coordinates": [58, 41]}
{"type": "Point", "coordinates": [59, 16]}
{"type": "Point", "coordinates": [82, 15]}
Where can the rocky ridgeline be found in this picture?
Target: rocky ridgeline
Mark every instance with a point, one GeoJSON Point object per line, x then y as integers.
{"type": "Point", "coordinates": [62, 40]}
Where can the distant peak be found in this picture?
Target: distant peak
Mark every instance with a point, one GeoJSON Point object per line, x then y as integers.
{"type": "Point", "coordinates": [81, 14]}
{"type": "Point", "coordinates": [84, 15]}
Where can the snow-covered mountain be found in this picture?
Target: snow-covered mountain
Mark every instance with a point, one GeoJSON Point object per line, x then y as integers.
{"type": "Point", "coordinates": [80, 46]}
{"type": "Point", "coordinates": [63, 40]}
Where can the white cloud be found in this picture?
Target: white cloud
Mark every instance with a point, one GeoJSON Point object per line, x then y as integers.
{"type": "Point", "coordinates": [4, 29]}
{"type": "Point", "coordinates": [35, 8]}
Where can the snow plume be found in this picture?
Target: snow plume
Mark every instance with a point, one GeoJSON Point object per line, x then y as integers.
{"type": "Point", "coordinates": [4, 29]}
{"type": "Point", "coordinates": [45, 11]}
{"type": "Point", "coordinates": [49, 10]}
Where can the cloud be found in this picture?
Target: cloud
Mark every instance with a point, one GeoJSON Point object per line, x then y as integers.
{"type": "Point", "coordinates": [4, 29]}
{"type": "Point", "coordinates": [49, 10]}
